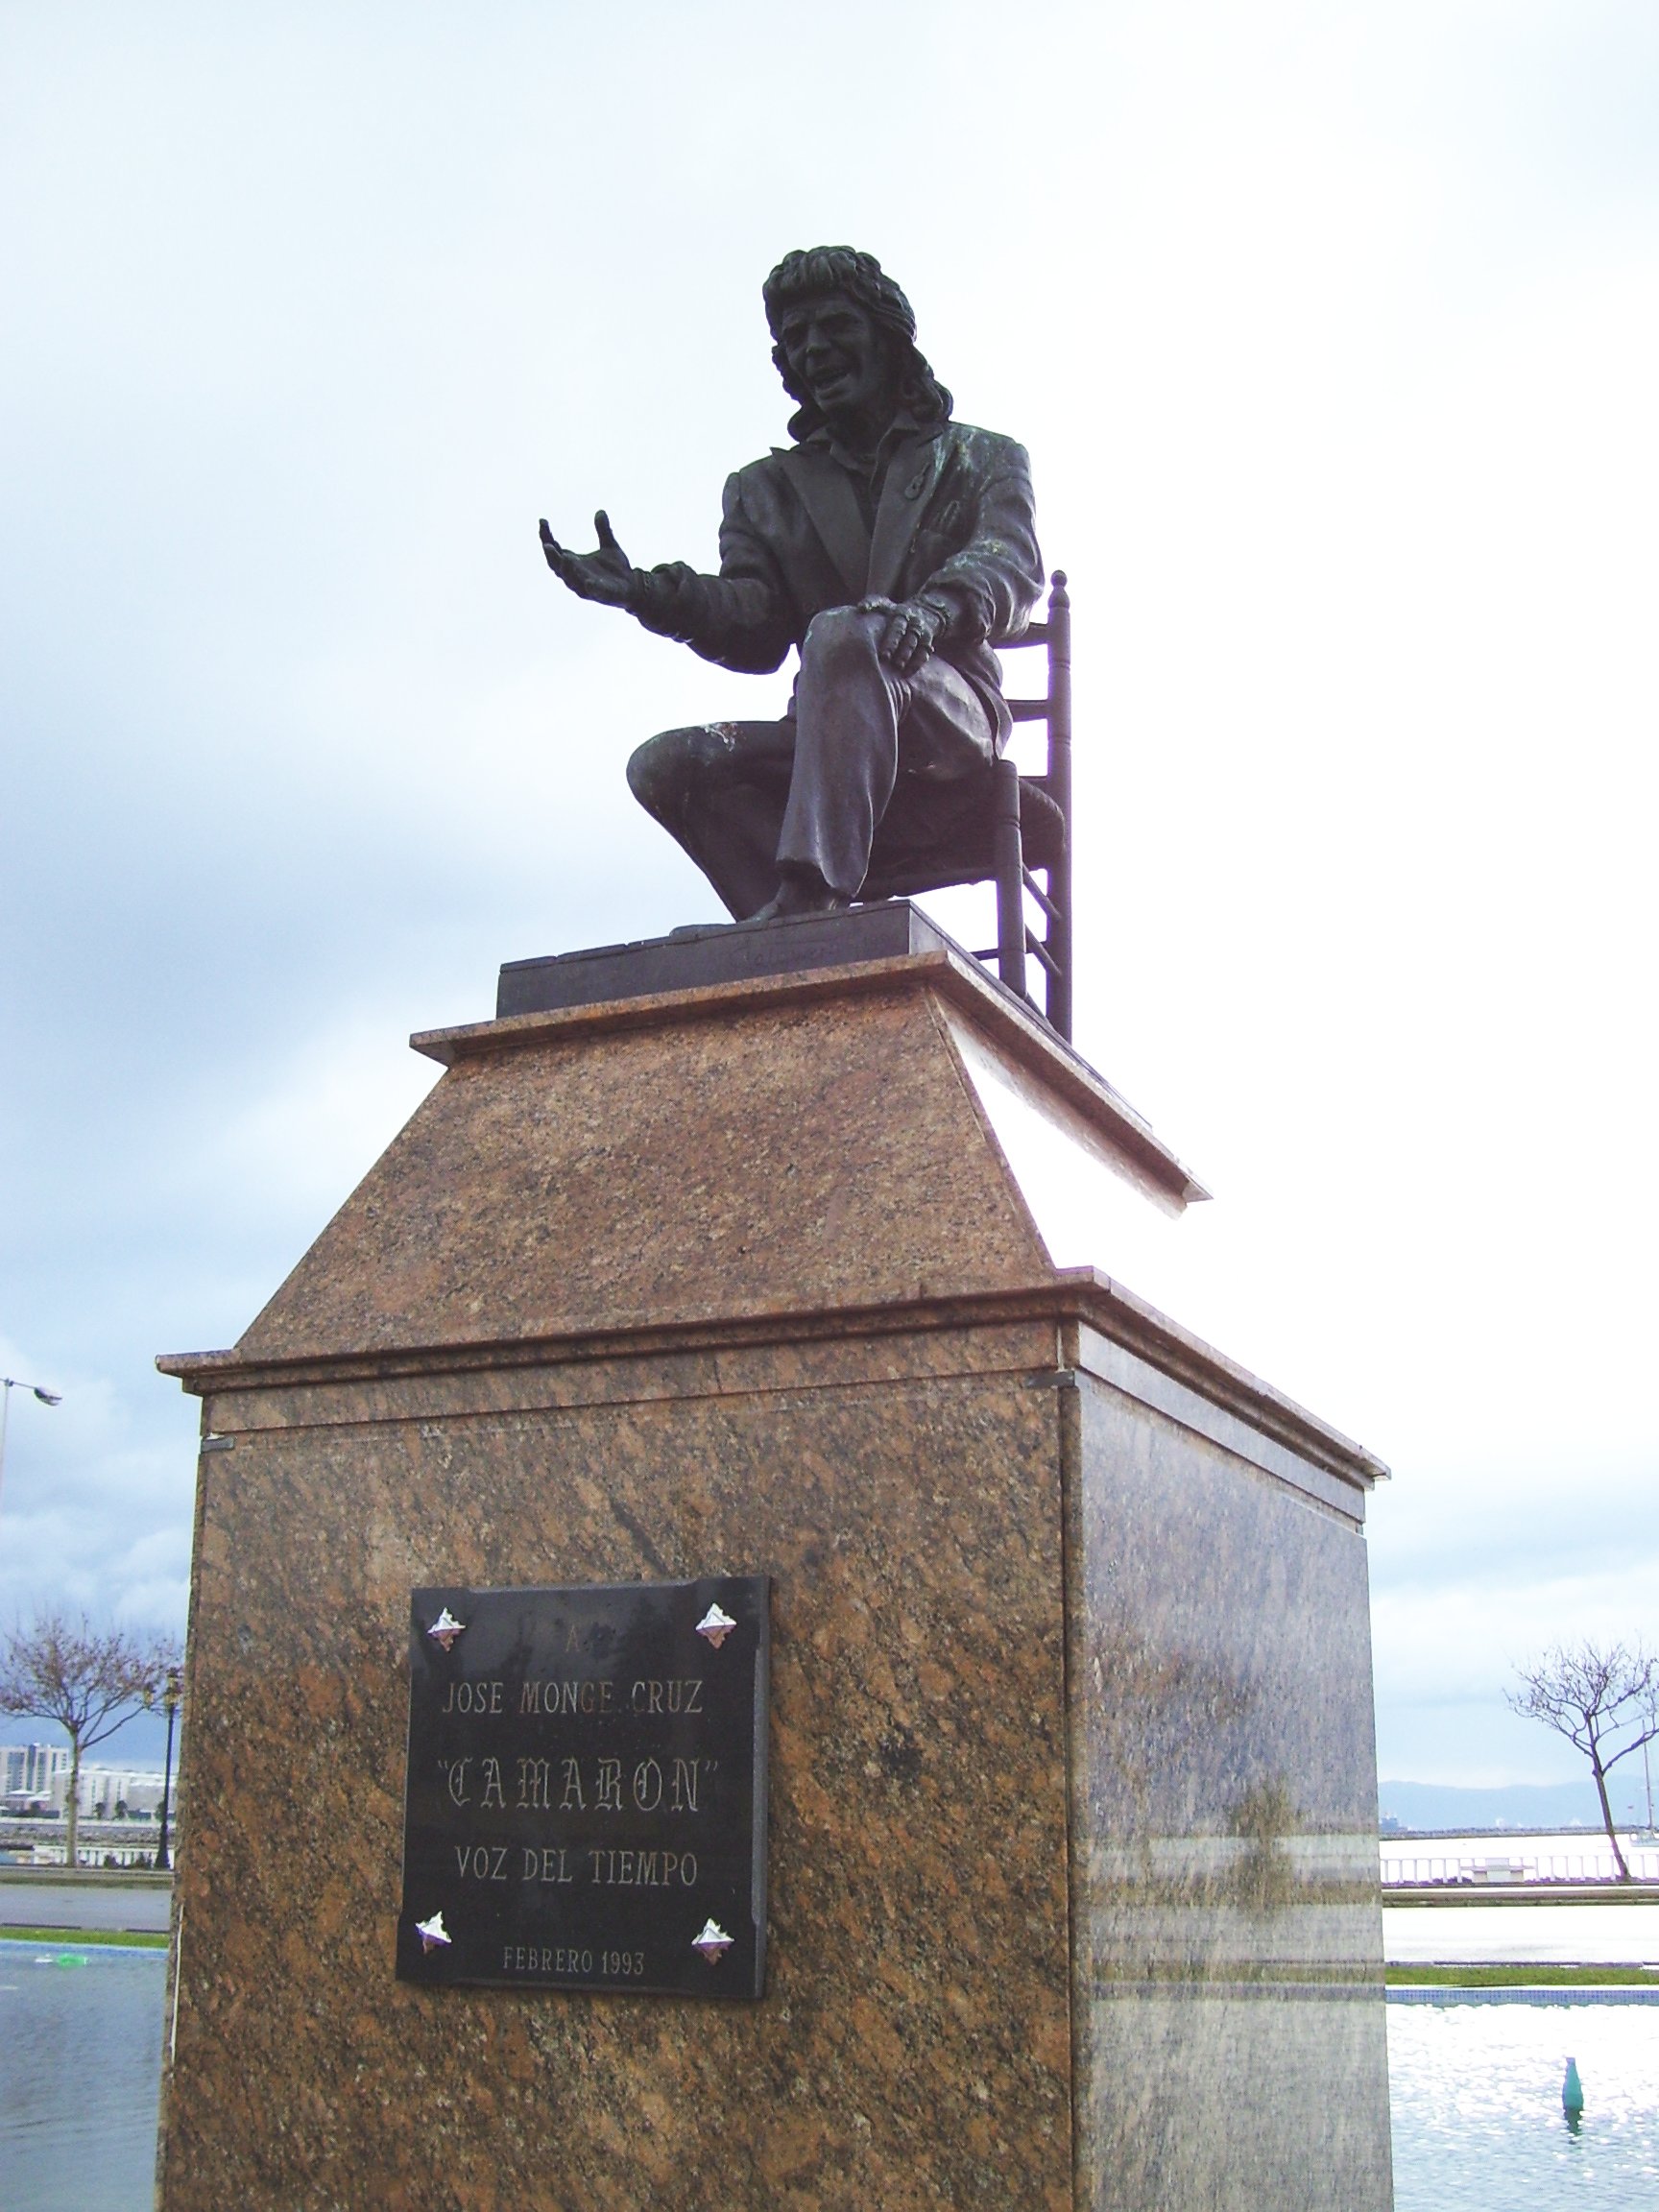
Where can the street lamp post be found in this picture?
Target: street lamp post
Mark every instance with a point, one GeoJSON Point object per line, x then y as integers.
{"type": "Point", "coordinates": [170, 1698]}
{"type": "Point", "coordinates": [8, 1384]}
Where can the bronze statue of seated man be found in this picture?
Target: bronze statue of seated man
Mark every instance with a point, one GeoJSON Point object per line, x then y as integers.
{"type": "Point", "coordinates": [895, 548]}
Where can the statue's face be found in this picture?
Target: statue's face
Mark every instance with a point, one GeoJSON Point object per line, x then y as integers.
{"type": "Point", "coordinates": [835, 357]}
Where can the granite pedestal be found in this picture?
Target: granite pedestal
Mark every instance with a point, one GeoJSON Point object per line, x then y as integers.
{"type": "Point", "coordinates": [708, 1257]}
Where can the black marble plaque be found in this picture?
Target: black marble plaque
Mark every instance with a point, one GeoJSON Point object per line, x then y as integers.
{"type": "Point", "coordinates": [586, 1804]}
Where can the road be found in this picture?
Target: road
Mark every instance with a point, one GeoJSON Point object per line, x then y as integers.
{"type": "Point", "coordinates": [1510, 1935]}
{"type": "Point", "coordinates": [83, 1905]}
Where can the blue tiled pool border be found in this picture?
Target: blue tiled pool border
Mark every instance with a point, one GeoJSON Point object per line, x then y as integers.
{"type": "Point", "coordinates": [1526, 1994]}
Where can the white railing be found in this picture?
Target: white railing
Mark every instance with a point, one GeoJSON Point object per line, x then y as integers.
{"type": "Point", "coordinates": [1441, 1869]}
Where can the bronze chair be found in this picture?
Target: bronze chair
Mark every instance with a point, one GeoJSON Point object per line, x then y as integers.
{"type": "Point", "coordinates": [1027, 828]}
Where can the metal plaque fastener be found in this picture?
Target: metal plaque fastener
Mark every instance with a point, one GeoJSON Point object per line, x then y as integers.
{"type": "Point", "coordinates": [712, 1939]}
{"type": "Point", "coordinates": [433, 1932]}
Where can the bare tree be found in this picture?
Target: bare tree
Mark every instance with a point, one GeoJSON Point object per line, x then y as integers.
{"type": "Point", "coordinates": [1603, 1699]}
{"type": "Point", "coordinates": [88, 1680]}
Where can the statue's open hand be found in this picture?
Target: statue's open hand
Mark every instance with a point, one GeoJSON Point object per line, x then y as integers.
{"type": "Point", "coordinates": [606, 575]}
{"type": "Point", "coordinates": [911, 634]}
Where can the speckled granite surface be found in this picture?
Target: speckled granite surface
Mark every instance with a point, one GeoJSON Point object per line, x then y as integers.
{"type": "Point", "coordinates": [829, 1154]}
{"type": "Point", "coordinates": [571, 1329]}
{"type": "Point", "coordinates": [918, 1848]}
{"type": "Point", "coordinates": [1228, 1926]}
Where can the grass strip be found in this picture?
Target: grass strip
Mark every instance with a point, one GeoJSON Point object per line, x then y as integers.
{"type": "Point", "coordinates": [77, 1939]}
{"type": "Point", "coordinates": [1521, 1977]}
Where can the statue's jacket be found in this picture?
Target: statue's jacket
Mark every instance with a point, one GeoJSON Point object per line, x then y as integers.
{"type": "Point", "coordinates": [954, 527]}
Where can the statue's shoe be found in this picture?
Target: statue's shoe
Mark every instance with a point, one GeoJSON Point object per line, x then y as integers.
{"type": "Point", "coordinates": [795, 898]}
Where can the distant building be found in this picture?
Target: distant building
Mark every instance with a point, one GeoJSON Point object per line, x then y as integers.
{"type": "Point", "coordinates": [31, 1773]}
{"type": "Point", "coordinates": [112, 1792]}
{"type": "Point", "coordinates": [35, 1778]}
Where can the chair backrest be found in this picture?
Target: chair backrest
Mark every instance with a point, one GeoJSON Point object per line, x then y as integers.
{"type": "Point", "coordinates": [1052, 950]}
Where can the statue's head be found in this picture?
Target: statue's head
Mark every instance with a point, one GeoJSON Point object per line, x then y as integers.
{"type": "Point", "coordinates": [879, 332]}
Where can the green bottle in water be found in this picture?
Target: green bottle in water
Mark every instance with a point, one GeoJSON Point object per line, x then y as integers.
{"type": "Point", "coordinates": [1573, 2089]}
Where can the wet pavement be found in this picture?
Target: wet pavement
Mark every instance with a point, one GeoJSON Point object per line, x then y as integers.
{"type": "Point", "coordinates": [1516, 1934]}
{"type": "Point", "coordinates": [93, 1905]}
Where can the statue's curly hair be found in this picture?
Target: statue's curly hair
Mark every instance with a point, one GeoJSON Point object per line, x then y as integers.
{"type": "Point", "coordinates": [818, 271]}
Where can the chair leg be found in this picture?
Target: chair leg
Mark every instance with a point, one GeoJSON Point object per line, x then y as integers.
{"type": "Point", "coordinates": [1009, 856]}
{"type": "Point", "coordinates": [1058, 997]}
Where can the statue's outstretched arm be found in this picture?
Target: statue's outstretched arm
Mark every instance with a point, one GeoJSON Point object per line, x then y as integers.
{"type": "Point", "coordinates": [606, 575]}
{"type": "Point", "coordinates": [739, 618]}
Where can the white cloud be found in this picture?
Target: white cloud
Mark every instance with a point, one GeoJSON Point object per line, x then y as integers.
{"type": "Point", "coordinates": [1332, 331]}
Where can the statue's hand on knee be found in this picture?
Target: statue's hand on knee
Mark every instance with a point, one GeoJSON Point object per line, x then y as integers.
{"type": "Point", "coordinates": [911, 634]}
{"type": "Point", "coordinates": [606, 575]}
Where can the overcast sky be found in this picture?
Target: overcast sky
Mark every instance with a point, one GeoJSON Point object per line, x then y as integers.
{"type": "Point", "coordinates": [1334, 333]}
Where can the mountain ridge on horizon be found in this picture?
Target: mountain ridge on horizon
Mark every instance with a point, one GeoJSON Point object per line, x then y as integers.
{"type": "Point", "coordinates": [1449, 1806]}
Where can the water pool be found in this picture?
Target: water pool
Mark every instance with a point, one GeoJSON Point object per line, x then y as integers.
{"type": "Point", "coordinates": [1476, 2088]}
{"type": "Point", "coordinates": [1475, 2092]}
{"type": "Point", "coordinates": [80, 2075]}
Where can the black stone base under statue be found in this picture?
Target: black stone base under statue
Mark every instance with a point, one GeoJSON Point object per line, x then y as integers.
{"type": "Point", "coordinates": [716, 952]}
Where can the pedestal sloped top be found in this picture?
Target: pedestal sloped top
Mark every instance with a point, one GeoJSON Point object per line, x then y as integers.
{"type": "Point", "coordinates": [813, 1142]}
{"type": "Point", "coordinates": [807, 1151]}
{"type": "Point", "coordinates": [812, 957]}
{"type": "Point", "coordinates": [804, 1143]}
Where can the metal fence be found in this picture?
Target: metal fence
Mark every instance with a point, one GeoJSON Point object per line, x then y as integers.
{"type": "Point", "coordinates": [1440, 1869]}
{"type": "Point", "coordinates": [92, 1852]}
